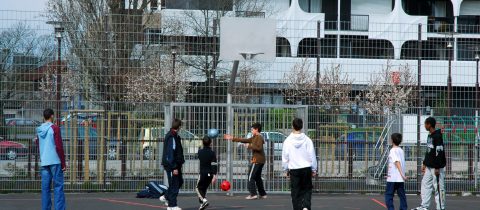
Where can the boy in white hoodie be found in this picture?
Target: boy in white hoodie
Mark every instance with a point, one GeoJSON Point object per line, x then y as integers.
{"type": "Point", "coordinates": [300, 163]}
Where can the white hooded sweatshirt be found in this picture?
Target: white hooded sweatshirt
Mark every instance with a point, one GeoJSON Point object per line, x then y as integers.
{"type": "Point", "coordinates": [298, 152]}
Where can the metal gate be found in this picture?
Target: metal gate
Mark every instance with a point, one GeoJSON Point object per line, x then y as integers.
{"type": "Point", "coordinates": [233, 158]}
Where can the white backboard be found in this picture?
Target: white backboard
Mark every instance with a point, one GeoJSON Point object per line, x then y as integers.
{"type": "Point", "coordinates": [247, 38]}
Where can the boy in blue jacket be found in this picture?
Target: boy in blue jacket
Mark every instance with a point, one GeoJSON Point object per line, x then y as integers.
{"type": "Point", "coordinates": [52, 161]}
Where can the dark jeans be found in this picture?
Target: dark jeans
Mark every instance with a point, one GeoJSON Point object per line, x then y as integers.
{"type": "Point", "coordinates": [255, 180]}
{"type": "Point", "coordinates": [202, 185]}
{"type": "Point", "coordinates": [52, 173]}
{"type": "Point", "coordinates": [175, 182]}
{"type": "Point", "coordinates": [301, 188]}
{"type": "Point", "coordinates": [389, 192]}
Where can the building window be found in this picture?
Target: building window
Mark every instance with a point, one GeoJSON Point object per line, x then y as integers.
{"type": "Point", "coordinates": [432, 49]}
{"type": "Point", "coordinates": [467, 49]}
{"type": "Point", "coordinates": [283, 47]}
{"type": "Point", "coordinates": [226, 5]}
{"type": "Point", "coordinates": [195, 45]}
{"type": "Point", "coordinates": [362, 47]}
{"type": "Point", "coordinates": [328, 47]}
{"type": "Point", "coordinates": [310, 6]}
{"type": "Point", "coordinates": [152, 35]}
{"type": "Point", "coordinates": [154, 4]}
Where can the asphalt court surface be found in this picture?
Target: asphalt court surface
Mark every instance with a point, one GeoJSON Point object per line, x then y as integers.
{"type": "Point", "coordinates": [127, 201]}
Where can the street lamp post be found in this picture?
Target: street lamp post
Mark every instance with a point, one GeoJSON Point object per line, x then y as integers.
{"type": "Point", "coordinates": [174, 60]}
{"type": "Point", "coordinates": [59, 29]}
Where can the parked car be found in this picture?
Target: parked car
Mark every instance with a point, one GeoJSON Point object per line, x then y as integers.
{"type": "Point", "coordinates": [82, 119]}
{"type": "Point", "coordinates": [11, 150]}
{"type": "Point", "coordinates": [94, 145]}
{"type": "Point", "coordinates": [269, 136]}
{"type": "Point", "coordinates": [21, 128]}
{"type": "Point", "coordinates": [22, 122]}
{"type": "Point", "coordinates": [152, 136]}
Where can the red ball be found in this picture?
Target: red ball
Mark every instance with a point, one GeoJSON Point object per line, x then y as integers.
{"type": "Point", "coordinates": [225, 186]}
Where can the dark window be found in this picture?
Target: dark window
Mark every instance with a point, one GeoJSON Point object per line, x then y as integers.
{"type": "Point", "coordinates": [330, 8]}
{"type": "Point", "coordinates": [153, 4]}
{"type": "Point", "coordinates": [468, 24]}
{"type": "Point", "coordinates": [283, 47]}
{"type": "Point", "coordinates": [152, 35]}
{"type": "Point", "coordinates": [226, 5]}
{"type": "Point", "coordinates": [163, 4]}
{"type": "Point", "coordinates": [199, 45]}
{"type": "Point", "coordinates": [467, 49]}
{"type": "Point", "coordinates": [328, 47]}
{"type": "Point", "coordinates": [362, 47]}
{"type": "Point", "coordinates": [432, 49]}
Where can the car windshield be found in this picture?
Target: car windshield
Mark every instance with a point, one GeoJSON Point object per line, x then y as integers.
{"type": "Point", "coordinates": [277, 137]}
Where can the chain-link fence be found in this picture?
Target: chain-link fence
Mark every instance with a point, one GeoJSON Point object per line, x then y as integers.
{"type": "Point", "coordinates": [117, 75]}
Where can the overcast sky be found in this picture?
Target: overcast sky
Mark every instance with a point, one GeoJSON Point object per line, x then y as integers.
{"type": "Point", "coordinates": [23, 5]}
{"type": "Point", "coordinates": [27, 11]}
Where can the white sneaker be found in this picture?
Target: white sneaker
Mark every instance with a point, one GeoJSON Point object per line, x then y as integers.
{"type": "Point", "coordinates": [164, 200]}
{"type": "Point", "coordinates": [174, 208]}
{"type": "Point", "coordinates": [305, 209]}
{"type": "Point", "coordinates": [204, 204]}
{"type": "Point", "coordinates": [420, 208]}
{"type": "Point", "coordinates": [252, 197]}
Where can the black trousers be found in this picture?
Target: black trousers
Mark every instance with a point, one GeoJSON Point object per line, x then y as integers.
{"type": "Point", "coordinates": [203, 183]}
{"type": "Point", "coordinates": [301, 188]}
{"type": "Point", "coordinates": [175, 182]}
{"type": "Point", "coordinates": [255, 180]}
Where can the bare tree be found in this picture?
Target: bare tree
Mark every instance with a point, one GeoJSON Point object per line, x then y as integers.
{"type": "Point", "coordinates": [246, 87]}
{"type": "Point", "coordinates": [71, 84]}
{"type": "Point", "coordinates": [335, 88]}
{"type": "Point", "coordinates": [21, 51]}
{"type": "Point", "coordinates": [102, 36]}
{"type": "Point", "coordinates": [156, 83]}
{"type": "Point", "coordinates": [300, 82]}
{"type": "Point", "coordinates": [390, 91]}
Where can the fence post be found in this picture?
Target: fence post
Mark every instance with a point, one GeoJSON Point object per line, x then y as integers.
{"type": "Point", "coordinates": [29, 166]}
{"type": "Point", "coordinates": [419, 101]}
{"type": "Point", "coordinates": [79, 160]}
{"type": "Point", "coordinates": [475, 147]}
{"type": "Point", "coordinates": [168, 108]}
{"type": "Point", "coordinates": [229, 143]}
{"type": "Point", "coordinates": [350, 146]}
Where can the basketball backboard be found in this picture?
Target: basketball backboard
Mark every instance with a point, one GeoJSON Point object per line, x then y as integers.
{"type": "Point", "coordinates": [247, 38]}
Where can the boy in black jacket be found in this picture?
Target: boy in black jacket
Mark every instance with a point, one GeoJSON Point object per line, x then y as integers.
{"type": "Point", "coordinates": [208, 171]}
{"type": "Point", "coordinates": [433, 168]}
{"type": "Point", "coordinates": [172, 161]}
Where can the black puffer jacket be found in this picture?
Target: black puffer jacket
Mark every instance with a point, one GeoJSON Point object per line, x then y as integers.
{"type": "Point", "coordinates": [435, 154]}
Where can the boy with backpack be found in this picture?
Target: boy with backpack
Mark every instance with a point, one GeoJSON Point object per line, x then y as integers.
{"type": "Point", "coordinates": [208, 171]}
{"type": "Point", "coordinates": [396, 174]}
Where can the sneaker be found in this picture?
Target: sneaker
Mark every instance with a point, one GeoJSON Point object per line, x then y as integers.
{"type": "Point", "coordinates": [164, 200]}
{"type": "Point", "coordinates": [250, 197]}
{"type": "Point", "coordinates": [263, 197]}
{"type": "Point", "coordinates": [305, 209]}
{"type": "Point", "coordinates": [204, 204]}
{"type": "Point", "coordinates": [420, 208]}
{"type": "Point", "coordinates": [174, 208]}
